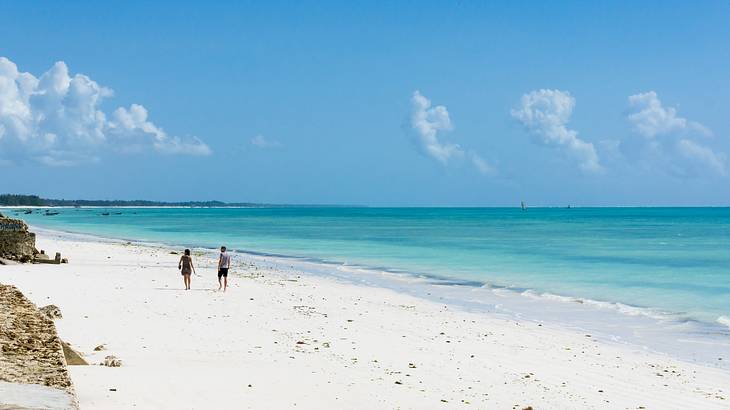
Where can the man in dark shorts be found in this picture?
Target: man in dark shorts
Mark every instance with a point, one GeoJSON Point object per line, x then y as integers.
{"type": "Point", "coordinates": [224, 263]}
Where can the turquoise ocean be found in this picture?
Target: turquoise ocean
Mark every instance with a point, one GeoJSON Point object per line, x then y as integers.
{"type": "Point", "coordinates": [657, 277]}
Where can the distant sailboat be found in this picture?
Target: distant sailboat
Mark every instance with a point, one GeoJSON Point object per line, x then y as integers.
{"type": "Point", "coordinates": [522, 204]}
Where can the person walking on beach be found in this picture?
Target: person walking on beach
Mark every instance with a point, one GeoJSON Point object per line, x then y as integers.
{"type": "Point", "coordinates": [224, 263]}
{"type": "Point", "coordinates": [186, 267]}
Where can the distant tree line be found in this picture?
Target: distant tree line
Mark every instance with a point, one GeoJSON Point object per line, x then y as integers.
{"type": "Point", "coordinates": [21, 200]}
{"type": "Point", "coordinates": [35, 200]}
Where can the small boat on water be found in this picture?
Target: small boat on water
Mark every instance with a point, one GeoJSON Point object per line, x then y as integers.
{"type": "Point", "coordinates": [51, 213]}
{"type": "Point", "coordinates": [28, 211]}
{"type": "Point", "coordinates": [523, 206]}
{"type": "Point", "coordinates": [105, 214]}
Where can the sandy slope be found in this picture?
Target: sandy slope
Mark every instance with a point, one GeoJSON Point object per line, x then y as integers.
{"type": "Point", "coordinates": [284, 340]}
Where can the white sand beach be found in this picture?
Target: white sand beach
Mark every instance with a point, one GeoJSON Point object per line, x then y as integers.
{"type": "Point", "coordinates": [294, 340]}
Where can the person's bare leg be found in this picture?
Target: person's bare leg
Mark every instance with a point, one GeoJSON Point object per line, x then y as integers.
{"type": "Point", "coordinates": [220, 285]}
{"type": "Point", "coordinates": [187, 282]}
{"type": "Point", "coordinates": [225, 283]}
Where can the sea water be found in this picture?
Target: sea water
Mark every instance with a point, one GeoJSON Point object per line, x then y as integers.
{"type": "Point", "coordinates": [659, 277]}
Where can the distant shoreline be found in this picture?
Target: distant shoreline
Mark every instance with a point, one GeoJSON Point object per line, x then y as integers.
{"type": "Point", "coordinates": [34, 201]}
{"type": "Point", "coordinates": [137, 206]}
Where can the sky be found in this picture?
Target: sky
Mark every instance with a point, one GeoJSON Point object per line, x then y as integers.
{"type": "Point", "coordinates": [369, 103]}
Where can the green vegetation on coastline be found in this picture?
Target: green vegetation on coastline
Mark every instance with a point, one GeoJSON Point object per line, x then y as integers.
{"type": "Point", "coordinates": [34, 200]}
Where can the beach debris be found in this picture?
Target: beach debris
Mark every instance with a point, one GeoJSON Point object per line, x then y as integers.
{"type": "Point", "coordinates": [411, 365]}
{"type": "Point", "coordinates": [173, 253]}
{"type": "Point", "coordinates": [73, 358]}
{"type": "Point", "coordinates": [112, 361]}
{"type": "Point", "coordinates": [307, 310]}
{"type": "Point", "coordinates": [112, 389]}
{"type": "Point", "coordinates": [100, 347]}
{"type": "Point", "coordinates": [51, 312]}
{"type": "Point", "coordinates": [43, 258]}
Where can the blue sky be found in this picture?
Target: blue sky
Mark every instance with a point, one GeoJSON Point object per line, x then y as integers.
{"type": "Point", "coordinates": [390, 103]}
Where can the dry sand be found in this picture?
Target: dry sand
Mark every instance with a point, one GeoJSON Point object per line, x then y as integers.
{"type": "Point", "coordinates": [288, 340]}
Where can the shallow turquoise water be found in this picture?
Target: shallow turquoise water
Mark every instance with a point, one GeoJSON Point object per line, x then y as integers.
{"type": "Point", "coordinates": [672, 260]}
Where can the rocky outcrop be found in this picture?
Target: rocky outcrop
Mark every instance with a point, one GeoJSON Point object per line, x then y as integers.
{"type": "Point", "coordinates": [16, 242]}
{"type": "Point", "coordinates": [32, 363]}
{"type": "Point", "coordinates": [51, 311]}
{"type": "Point", "coordinates": [112, 361]}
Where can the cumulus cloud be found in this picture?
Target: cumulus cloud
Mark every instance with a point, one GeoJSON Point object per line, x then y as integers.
{"type": "Point", "coordinates": [429, 123]}
{"type": "Point", "coordinates": [650, 118]}
{"type": "Point", "coordinates": [56, 120]}
{"type": "Point", "coordinates": [260, 141]}
{"type": "Point", "coordinates": [671, 140]}
{"type": "Point", "coordinates": [545, 113]}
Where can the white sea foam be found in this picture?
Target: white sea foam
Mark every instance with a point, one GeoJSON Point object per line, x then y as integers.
{"type": "Point", "coordinates": [724, 320]}
{"type": "Point", "coordinates": [615, 306]}
{"type": "Point", "coordinates": [549, 296]}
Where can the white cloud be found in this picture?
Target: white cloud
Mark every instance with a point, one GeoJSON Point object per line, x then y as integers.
{"type": "Point", "coordinates": [56, 119]}
{"type": "Point", "coordinates": [260, 141]}
{"type": "Point", "coordinates": [650, 118]}
{"type": "Point", "coordinates": [481, 164]}
{"type": "Point", "coordinates": [545, 113]}
{"type": "Point", "coordinates": [428, 121]}
{"type": "Point", "coordinates": [671, 141]}
{"type": "Point", "coordinates": [704, 156]}
{"type": "Point", "coordinates": [132, 123]}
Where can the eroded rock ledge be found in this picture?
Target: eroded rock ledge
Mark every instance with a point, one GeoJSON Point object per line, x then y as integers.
{"type": "Point", "coordinates": [30, 357]}
{"type": "Point", "coordinates": [16, 242]}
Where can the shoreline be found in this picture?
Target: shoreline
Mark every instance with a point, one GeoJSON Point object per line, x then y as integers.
{"type": "Point", "coordinates": [670, 334]}
{"type": "Point", "coordinates": [282, 338]}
